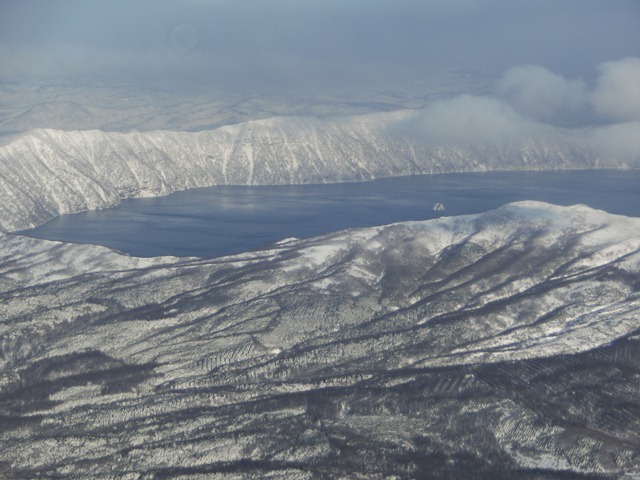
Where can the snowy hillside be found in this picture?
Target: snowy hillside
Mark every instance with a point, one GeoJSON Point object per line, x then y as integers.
{"type": "Point", "coordinates": [442, 348]}
{"type": "Point", "coordinates": [47, 172]}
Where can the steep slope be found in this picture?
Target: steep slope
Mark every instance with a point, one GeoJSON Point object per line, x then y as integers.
{"type": "Point", "coordinates": [46, 172]}
{"type": "Point", "coordinates": [503, 345]}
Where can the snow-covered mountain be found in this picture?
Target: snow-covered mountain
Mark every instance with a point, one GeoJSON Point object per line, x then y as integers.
{"type": "Point", "coordinates": [45, 173]}
{"type": "Point", "coordinates": [502, 345]}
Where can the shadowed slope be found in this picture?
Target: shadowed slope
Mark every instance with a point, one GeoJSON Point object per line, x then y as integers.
{"type": "Point", "coordinates": [493, 346]}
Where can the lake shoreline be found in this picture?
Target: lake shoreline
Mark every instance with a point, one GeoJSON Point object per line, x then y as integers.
{"type": "Point", "coordinates": [209, 222]}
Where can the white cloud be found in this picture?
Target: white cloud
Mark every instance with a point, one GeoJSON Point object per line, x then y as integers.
{"type": "Point", "coordinates": [539, 93]}
{"type": "Point", "coordinates": [470, 120]}
{"type": "Point", "coordinates": [619, 142]}
{"type": "Point", "coordinates": [617, 95]}
{"type": "Point", "coordinates": [534, 93]}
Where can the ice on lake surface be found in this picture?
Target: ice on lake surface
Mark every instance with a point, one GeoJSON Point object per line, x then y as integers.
{"type": "Point", "coordinates": [217, 221]}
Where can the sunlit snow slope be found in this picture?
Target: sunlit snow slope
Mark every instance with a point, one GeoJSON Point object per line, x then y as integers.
{"type": "Point", "coordinates": [503, 345]}
{"type": "Point", "coordinates": [44, 173]}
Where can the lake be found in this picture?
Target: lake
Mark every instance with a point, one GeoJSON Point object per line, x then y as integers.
{"type": "Point", "coordinates": [217, 221]}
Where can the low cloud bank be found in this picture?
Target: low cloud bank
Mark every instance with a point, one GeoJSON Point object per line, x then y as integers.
{"type": "Point", "coordinates": [531, 101]}
{"type": "Point", "coordinates": [539, 93]}
{"type": "Point", "coordinates": [542, 94]}
{"type": "Point", "coordinates": [617, 95]}
{"type": "Point", "coordinates": [621, 140]}
{"type": "Point", "coordinates": [469, 120]}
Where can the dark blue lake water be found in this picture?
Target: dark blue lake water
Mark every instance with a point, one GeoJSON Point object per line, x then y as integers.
{"type": "Point", "coordinates": [216, 221]}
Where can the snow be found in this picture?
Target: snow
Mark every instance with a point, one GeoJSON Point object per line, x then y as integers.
{"type": "Point", "coordinates": [230, 341]}
{"type": "Point", "coordinates": [97, 169]}
{"type": "Point", "coordinates": [353, 262]}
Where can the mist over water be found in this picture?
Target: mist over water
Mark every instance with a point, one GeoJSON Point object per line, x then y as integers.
{"type": "Point", "coordinates": [218, 221]}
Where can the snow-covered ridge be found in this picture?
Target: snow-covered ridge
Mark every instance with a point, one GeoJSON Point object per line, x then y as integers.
{"type": "Point", "coordinates": [45, 173]}
{"type": "Point", "coordinates": [567, 242]}
{"type": "Point", "coordinates": [521, 321]}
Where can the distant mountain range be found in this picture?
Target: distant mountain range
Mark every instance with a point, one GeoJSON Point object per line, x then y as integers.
{"type": "Point", "coordinates": [500, 345]}
{"type": "Point", "coordinates": [45, 173]}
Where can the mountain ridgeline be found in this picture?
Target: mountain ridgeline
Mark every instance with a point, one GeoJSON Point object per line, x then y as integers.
{"type": "Point", "coordinates": [44, 173]}
{"type": "Point", "coordinates": [495, 346]}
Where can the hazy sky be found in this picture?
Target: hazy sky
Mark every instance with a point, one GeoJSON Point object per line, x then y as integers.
{"type": "Point", "coordinates": [550, 63]}
{"type": "Point", "coordinates": [298, 44]}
